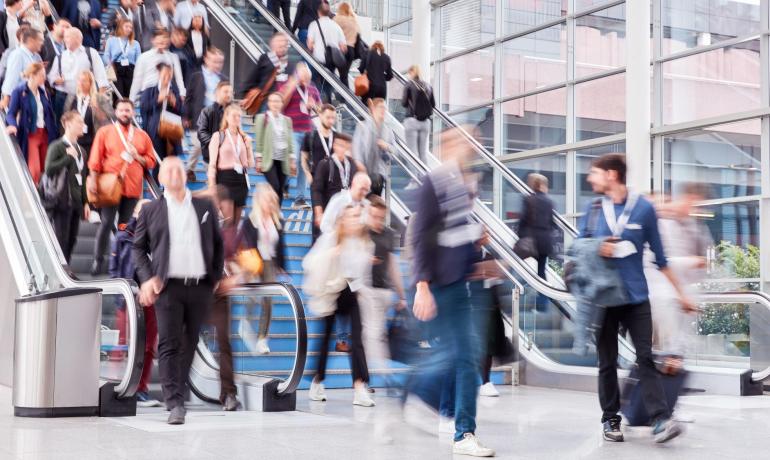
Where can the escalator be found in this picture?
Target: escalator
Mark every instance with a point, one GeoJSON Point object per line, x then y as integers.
{"type": "Point", "coordinates": [547, 337]}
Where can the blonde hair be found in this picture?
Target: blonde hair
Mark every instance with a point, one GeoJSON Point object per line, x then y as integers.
{"type": "Point", "coordinates": [415, 69]}
{"type": "Point", "coordinates": [537, 182]}
{"type": "Point", "coordinates": [265, 192]}
{"type": "Point", "coordinates": [119, 29]}
{"type": "Point", "coordinates": [93, 93]}
{"type": "Point", "coordinates": [226, 124]}
{"type": "Point", "coordinates": [33, 69]}
{"type": "Point", "coordinates": [345, 9]}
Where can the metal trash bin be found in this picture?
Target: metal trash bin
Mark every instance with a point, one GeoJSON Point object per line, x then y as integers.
{"type": "Point", "coordinates": [56, 353]}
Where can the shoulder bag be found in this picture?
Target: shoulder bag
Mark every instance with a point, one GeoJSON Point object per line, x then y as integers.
{"type": "Point", "coordinates": [170, 125]}
{"type": "Point", "coordinates": [256, 96]}
{"type": "Point", "coordinates": [109, 186]}
{"type": "Point", "coordinates": [332, 54]}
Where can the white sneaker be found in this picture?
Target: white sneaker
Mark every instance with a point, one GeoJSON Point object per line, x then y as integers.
{"type": "Point", "coordinates": [262, 347]}
{"type": "Point", "coordinates": [470, 445]}
{"type": "Point", "coordinates": [488, 389]}
{"type": "Point", "coordinates": [446, 425]}
{"type": "Point", "coordinates": [317, 392]}
{"type": "Point", "coordinates": [361, 398]}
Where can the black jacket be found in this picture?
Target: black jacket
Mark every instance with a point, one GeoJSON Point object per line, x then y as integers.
{"type": "Point", "coordinates": [48, 52]}
{"type": "Point", "coordinates": [152, 21]}
{"type": "Point", "coordinates": [260, 74]}
{"type": "Point", "coordinates": [3, 31]}
{"type": "Point", "coordinates": [196, 96]}
{"type": "Point", "coordinates": [191, 50]}
{"type": "Point", "coordinates": [152, 239]}
{"type": "Point", "coordinates": [209, 122]}
{"type": "Point", "coordinates": [327, 181]}
{"type": "Point", "coordinates": [249, 237]}
{"type": "Point", "coordinates": [410, 93]}
{"type": "Point", "coordinates": [377, 68]}
{"type": "Point", "coordinates": [536, 221]}
{"type": "Point", "coordinates": [307, 12]}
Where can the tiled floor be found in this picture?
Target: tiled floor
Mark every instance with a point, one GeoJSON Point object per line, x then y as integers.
{"type": "Point", "coordinates": [525, 422]}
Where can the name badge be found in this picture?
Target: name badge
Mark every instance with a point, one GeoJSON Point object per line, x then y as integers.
{"type": "Point", "coordinates": [623, 249]}
{"type": "Point", "coordinates": [124, 62]}
{"type": "Point", "coordinates": [238, 168]}
{"type": "Point", "coordinates": [303, 108]}
{"type": "Point", "coordinates": [127, 157]}
{"type": "Point", "coordinates": [282, 77]}
{"type": "Point", "coordinates": [85, 129]}
{"type": "Point", "coordinates": [79, 178]}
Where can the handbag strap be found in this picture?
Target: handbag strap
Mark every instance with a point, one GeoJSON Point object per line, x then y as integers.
{"type": "Point", "coordinates": [124, 169]}
{"type": "Point", "coordinates": [321, 31]}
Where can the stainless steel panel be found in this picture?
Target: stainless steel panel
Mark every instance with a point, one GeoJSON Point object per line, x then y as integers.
{"type": "Point", "coordinates": [78, 340]}
{"type": "Point", "coordinates": [34, 354]}
{"type": "Point", "coordinates": [9, 291]}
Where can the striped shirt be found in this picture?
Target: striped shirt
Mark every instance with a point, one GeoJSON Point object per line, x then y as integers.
{"type": "Point", "coordinates": [301, 122]}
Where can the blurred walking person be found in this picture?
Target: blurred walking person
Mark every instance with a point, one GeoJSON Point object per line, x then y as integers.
{"type": "Point", "coordinates": [179, 257]}
{"type": "Point", "coordinates": [65, 156]}
{"type": "Point", "coordinates": [443, 242]}
{"type": "Point", "coordinates": [263, 230]}
{"type": "Point", "coordinates": [275, 147]}
{"type": "Point", "coordinates": [155, 103]}
{"type": "Point", "coordinates": [372, 143]}
{"type": "Point", "coordinates": [337, 268]}
{"type": "Point", "coordinates": [301, 101]}
{"type": "Point", "coordinates": [229, 157]}
{"type": "Point", "coordinates": [209, 122]}
{"type": "Point", "coordinates": [348, 21]}
{"type": "Point", "coordinates": [376, 65]}
{"type": "Point", "coordinates": [31, 119]}
{"type": "Point", "coordinates": [419, 103]}
{"type": "Point", "coordinates": [536, 225]}
{"type": "Point", "coordinates": [122, 266]}
{"type": "Point", "coordinates": [326, 40]}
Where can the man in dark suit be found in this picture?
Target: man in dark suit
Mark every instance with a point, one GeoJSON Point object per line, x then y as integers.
{"type": "Point", "coordinates": [54, 45]}
{"type": "Point", "coordinates": [158, 15]}
{"type": "Point", "coordinates": [179, 258]}
{"type": "Point", "coordinates": [89, 24]}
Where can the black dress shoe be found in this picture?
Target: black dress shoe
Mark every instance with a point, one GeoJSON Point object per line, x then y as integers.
{"type": "Point", "coordinates": [231, 403]}
{"type": "Point", "coordinates": [176, 417]}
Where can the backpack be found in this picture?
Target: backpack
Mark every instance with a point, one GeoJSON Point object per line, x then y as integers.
{"type": "Point", "coordinates": [422, 108]}
{"type": "Point", "coordinates": [54, 191]}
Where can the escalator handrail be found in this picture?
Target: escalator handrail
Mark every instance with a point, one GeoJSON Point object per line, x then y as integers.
{"type": "Point", "coordinates": [739, 297]}
{"type": "Point", "coordinates": [290, 384]}
{"type": "Point", "coordinates": [127, 385]}
{"type": "Point", "coordinates": [344, 89]}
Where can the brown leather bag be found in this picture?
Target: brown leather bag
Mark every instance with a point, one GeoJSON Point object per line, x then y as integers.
{"type": "Point", "coordinates": [361, 84]}
{"type": "Point", "coordinates": [256, 96]}
{"type": "Point", "coordinates": [109, 189]}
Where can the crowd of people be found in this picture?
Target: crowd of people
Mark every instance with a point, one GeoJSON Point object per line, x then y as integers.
{"type": "Point", "coordinates": [71, 102]}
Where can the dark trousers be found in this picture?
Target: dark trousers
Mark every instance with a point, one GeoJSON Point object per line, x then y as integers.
{"type": "Point", "coordinates": [637, 319]}
{"type": "Point", "coordinates": [59, 98]}
{"type": "Point", "coordinates": [278, 6]}
{"type": "Point", "coordinates": [125, 76]}
{"type": "Point", "coordinates": [347, 304]}
{"type": "Point", "coordinates": [277, 178]}
{"type": "Point", "coordinates": [66, 223]}
{"type": "Point", "coordinates": [180, 311]}
{"type": "Point", "coordinates": [345, 71]}
{"type": "Point", "coordinates": [124, 210]}
{"type": "Point", "coordinates": [541, 301]}
{"type": "Point", "coordinates": [220, 319]}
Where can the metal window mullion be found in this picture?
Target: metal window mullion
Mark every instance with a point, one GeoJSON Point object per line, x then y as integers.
{"type": "Point", "coordinates": [764, 204]}
{"type": "Point", "coordinates": [571, 122]}
{"type": "Point", "coordinates": [562, 148]}
{"type": "Point", "coordinates": [499, 117]}
{"type": "Point", "coordinates": [712, 47]}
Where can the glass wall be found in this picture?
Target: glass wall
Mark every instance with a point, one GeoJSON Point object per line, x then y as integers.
{"type": "Point", "coordinates": [544, 83]}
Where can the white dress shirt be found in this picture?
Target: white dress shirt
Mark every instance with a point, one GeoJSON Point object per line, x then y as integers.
{"type": "Point", "coordinates": [185, 258]}
{"type": "Point", "coordinates": [146, 72]}
{"type": "Point", "coordinates": [184, 12]}
{"type": "Point", "coordinates": [72, 64]}
{"type": "Point", "coordinates": [11, 26]}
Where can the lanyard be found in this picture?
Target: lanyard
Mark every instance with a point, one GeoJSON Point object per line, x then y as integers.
{"type": "Point", "coordinates": [236, 147]}
{"type": "Point", "coordinates": [127, 14]}
{"type": "Point", "coordinates": [124, 51]}
{"type": "Point", "coordinates": [57, 48]}
{"type": "Point", "coordinates": [83, 105]}
{"type": "Point", "coordinates": [327, 148]}
{"type": "Point", "coordinates": [79, 161]}
{"type": "Point", "coordinates": [617, 225]}
{"type": "Point", "coordinates": [303, 94]}
{"type": "Point", "coordinates": [344, 172]}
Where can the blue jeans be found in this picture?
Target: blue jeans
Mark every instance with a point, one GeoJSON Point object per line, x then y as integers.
{"type": "Point", "coordinates": [342, 327]}
{"type": "Point", "coordinates": [301, 179]}
{"type": "Point", "coordinates": [449, 379]}
{"type": "Point", "coordinates": [302, 36]}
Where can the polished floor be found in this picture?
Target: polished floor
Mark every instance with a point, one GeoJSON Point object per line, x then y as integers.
{"type": "Point", "coordinates": [524, 423]}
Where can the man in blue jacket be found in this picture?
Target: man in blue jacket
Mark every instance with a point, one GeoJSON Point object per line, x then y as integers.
{"type": "Point", "coordinates": [628, 222]}
{"type": "Point", "coordinates": [444, 248]}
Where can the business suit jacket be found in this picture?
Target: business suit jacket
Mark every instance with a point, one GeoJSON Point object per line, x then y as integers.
{"type": "Point", "coordinates": [307, 12]}
{"type": "Point", "coordinates": [48, 53]}
{"type": "Point", "coordinates": [152, 15]}
{"type": "Point", "coordinates": [3, 31]}
{"type": "Point", "coordinates": [152, 239]}
{"type": "Point", "coordinates": [91, 36]}
{"type": "Point", "coordinates": [22, 113]}
{"type": "Point", "coordinates": [196, 96]}
{"type": "Point", "coordinates": [536, 221]}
